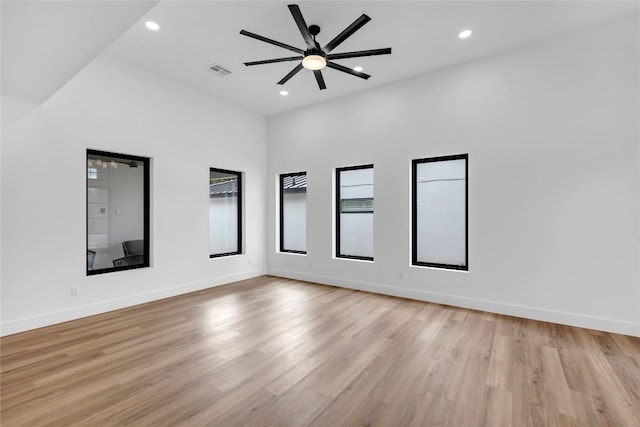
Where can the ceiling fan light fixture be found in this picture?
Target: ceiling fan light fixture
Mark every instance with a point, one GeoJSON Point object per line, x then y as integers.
{"type": "Point", "coordinates": [314, 62]}
{"type": "Point", "coordinates": [152, 25]}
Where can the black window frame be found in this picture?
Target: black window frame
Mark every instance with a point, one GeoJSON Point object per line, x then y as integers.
{"type": "Point", "coordinates": [338, 211]}
{"type": "Point", "coordinates": [239, 213]}
{"type": "Point", "coordinates": [146, 231]}
{"type": "Point", "coordinates": [414, 211]}
{"type": "Point", "coordinates": [281, 211]}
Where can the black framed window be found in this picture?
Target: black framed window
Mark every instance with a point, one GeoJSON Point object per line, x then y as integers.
{"type": "Point", "coordinates": [293, 212]}
{"type": "Point", "coordinates": [117, 212]}
{"type": "Point", "coordinates": [439, 212]}
{"type": "Point", "coordinates": [354, 212]}
{"type": "Point", "coordinates": [225, 212]}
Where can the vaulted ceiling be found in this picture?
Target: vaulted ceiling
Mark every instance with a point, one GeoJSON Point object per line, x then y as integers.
{"type": "Point", "coordinates": [45, 43]}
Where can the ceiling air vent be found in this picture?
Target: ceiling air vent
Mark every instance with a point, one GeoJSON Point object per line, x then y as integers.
{"type": "Point", "coordinates": [218, 69]}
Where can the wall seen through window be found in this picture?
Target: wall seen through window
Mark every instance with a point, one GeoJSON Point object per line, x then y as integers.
{"type": "Point", "coordinates": [439, 214]}
{"type": "Point", "coordinates": [117, 212]}
{"type": "Point", "coordinates": [225, 212]}
{"type": "Point", "coordinates": [354, 212]}
{"type": "Point", "coordinates": [293, 212]}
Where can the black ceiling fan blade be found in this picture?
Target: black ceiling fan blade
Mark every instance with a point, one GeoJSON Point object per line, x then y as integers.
{"type": "Point", "coordinates": [319, 79]}
{"type": "Point", "coordinates": [302, 26]}
{"type": "Point", "coordinates": [359, 53]}
{"type": "Point", "coordinates": [291, 74]}
{"type": "Point", "coordinates": [347, 32]}
{"type": "Point", "coordinates": [270, 41]}
{"type": "Point", "coordinates": [270, 61]}
{"type": "Point", "coordinates": [347, 70]}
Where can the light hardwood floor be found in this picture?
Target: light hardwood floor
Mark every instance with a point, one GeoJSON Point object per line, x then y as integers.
{"type": "Point", "coordinates": [272, 351]}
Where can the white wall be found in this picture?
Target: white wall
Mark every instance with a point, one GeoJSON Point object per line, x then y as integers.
{"type": "Point", "coordinates": [295, 226]}
{"type": "Point", "coordinates": [124, 216]}
{"type": "Point", "coordinates": [357, 234]}
{"type": "Point", "coordinates": [223, 224]}
{"type": "Point", "coordinates": [441, 212]}
{"type": "Point", "coordinates": [14, 109]}
{"type": "Point", "coordinates": [356, 229]}
{"type": "Point", "coordinates": [114, 107]}
{"type": "Point", "coordinates": [552, 136]}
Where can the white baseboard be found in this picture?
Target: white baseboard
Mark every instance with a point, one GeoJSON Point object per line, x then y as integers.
{"type": "Point", "coordinates": [52, 318]}
{"type": "Point", "coordinates": [545, 315]}
{"type": "Point", "coordinates": [565, 318]}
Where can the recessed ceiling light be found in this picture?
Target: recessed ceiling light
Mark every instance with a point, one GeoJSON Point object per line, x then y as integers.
{"type": "Point", "coordinates": [284, 93]}
{"type": "Point", "coordinates": [358, 68]}
{"type": "Point", "coordinates": [152, 25]}
{"type": "Point", "coordinates": [464, 34]}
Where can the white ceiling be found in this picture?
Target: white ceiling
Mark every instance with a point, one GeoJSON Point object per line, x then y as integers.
{"type": "Point", "coordinates": [45, 43]}
{"type": "Point", "coordinates": [196, 34]}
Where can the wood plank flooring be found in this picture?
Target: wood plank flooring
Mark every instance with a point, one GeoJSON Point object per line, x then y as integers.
{"type": "Point", "coordinates": [278, 352]}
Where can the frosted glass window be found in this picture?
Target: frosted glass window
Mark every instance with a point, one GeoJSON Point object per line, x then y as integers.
{"type": "Point", "coordinates": [225, 212]}
{"type": "Point", "coordinates": [117, 212]}
{"type": "Point", "coordinates": [354, 212]}
{"type": "Point", "coordinates": [439, 214]}
{"type": "Point", "coordinates": [293, 212]}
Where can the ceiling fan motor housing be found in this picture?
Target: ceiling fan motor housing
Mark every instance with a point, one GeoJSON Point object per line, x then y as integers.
{"type": "Point", "coordinates": [314, 30]}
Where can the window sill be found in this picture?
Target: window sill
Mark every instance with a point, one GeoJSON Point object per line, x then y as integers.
{"type": "Point", "coordinates": [441, 268]}
{"type": "Point", "coordinates": [357, 259]}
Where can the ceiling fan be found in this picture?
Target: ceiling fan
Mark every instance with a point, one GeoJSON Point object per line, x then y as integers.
{"type": "Point", "coordinates": [316, 58]}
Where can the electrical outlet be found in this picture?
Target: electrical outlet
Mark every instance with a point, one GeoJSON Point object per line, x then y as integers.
{"type": "Point", "coordinates": [74, 292]}
{"type": "Point", "coordinates": [402, 275]}
{"type": "Point", "coordinates": [249, 260]}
